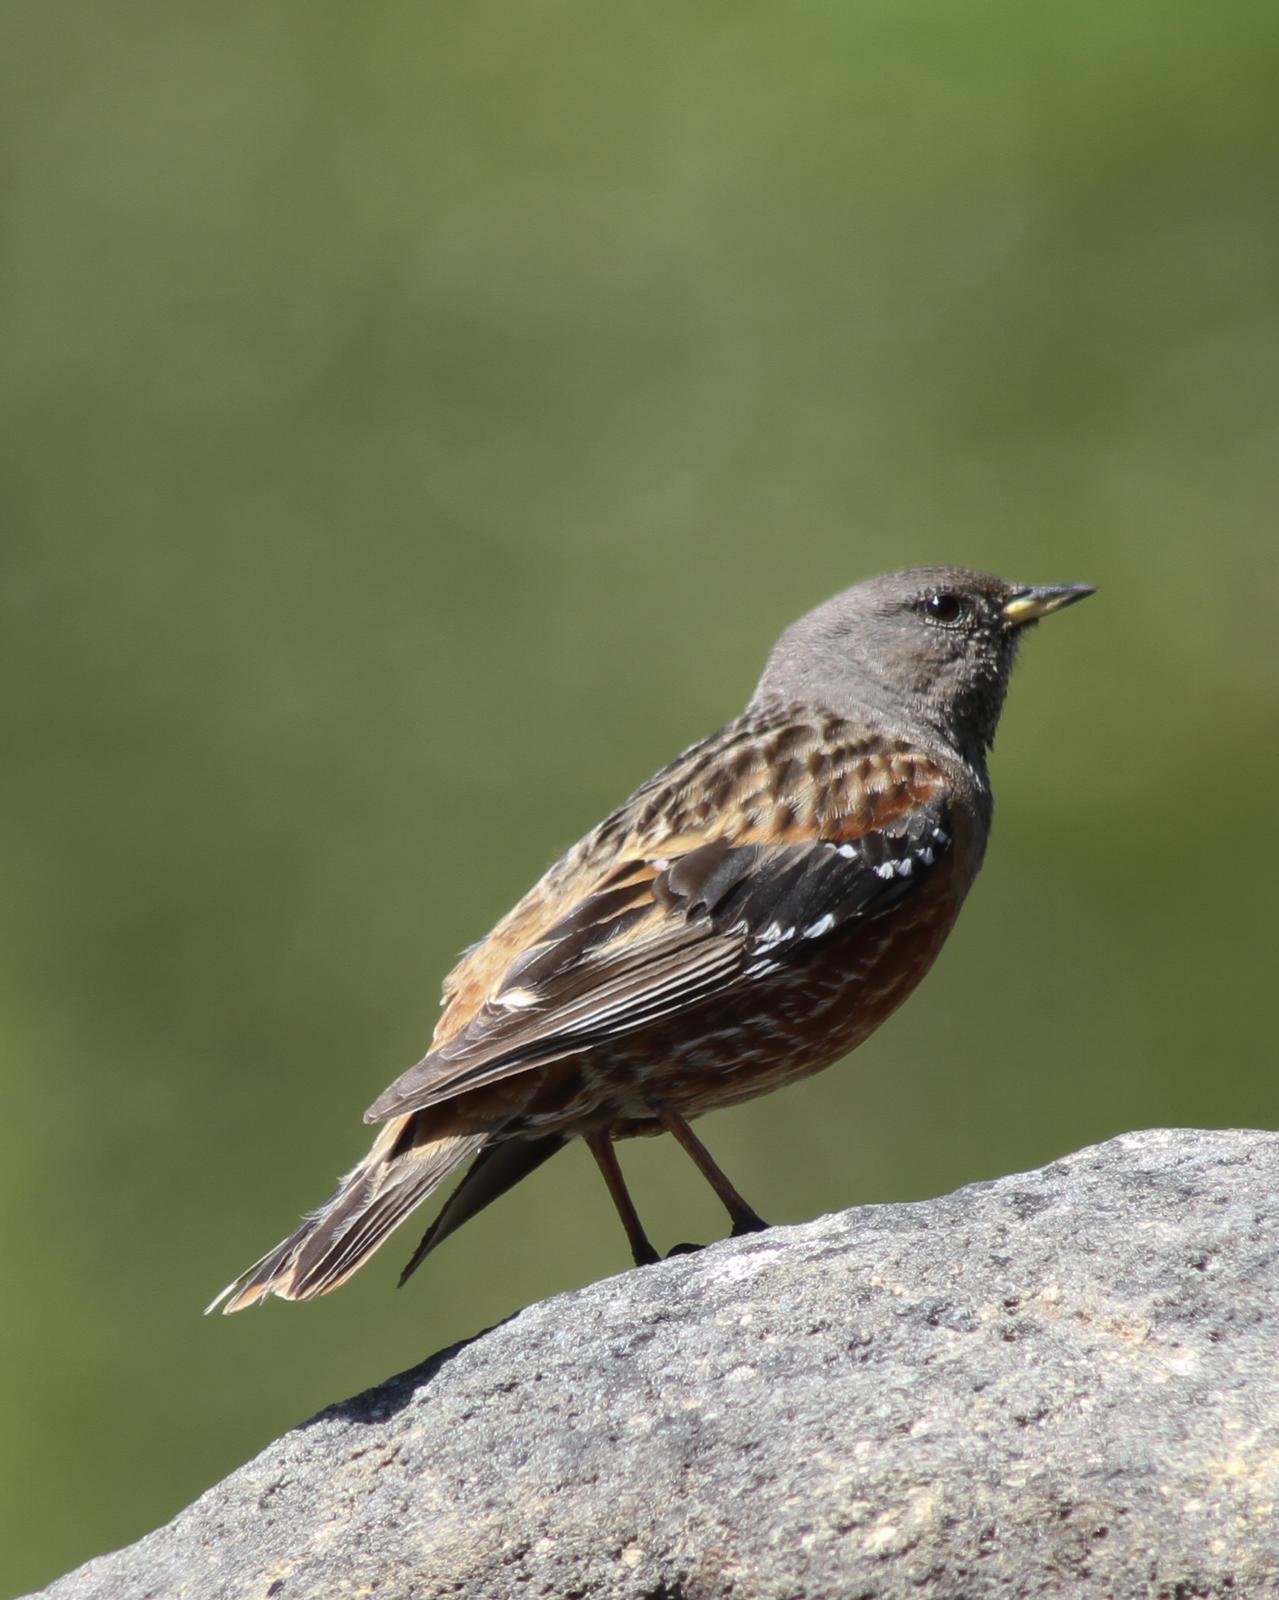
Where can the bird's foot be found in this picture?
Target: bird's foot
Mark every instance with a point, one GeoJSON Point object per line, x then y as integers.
{"type": "Point", "coordinates": [741, 1227]}
{"type": "Point", "coordinates": [748, 1223]}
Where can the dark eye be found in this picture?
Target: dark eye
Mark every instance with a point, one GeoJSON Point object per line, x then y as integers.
{"type": "Point", "coordinates": [944, 607]}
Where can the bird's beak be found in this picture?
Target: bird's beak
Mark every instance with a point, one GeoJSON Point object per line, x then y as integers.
{"type": "Point", "coordinates": [1028, 605]}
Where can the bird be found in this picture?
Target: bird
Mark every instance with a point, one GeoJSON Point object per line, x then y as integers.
{"type": "Point", "coordinates": [750, 915]}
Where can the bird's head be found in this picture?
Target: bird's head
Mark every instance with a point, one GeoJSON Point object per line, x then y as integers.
{"type": "Point", "coordinates": [930, 647]}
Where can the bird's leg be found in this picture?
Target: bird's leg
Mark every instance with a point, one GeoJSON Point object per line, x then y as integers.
{"type": "Point", "coordinates": [745, 1219]}
{"type": "Point", "coordinates": [601, 1147]}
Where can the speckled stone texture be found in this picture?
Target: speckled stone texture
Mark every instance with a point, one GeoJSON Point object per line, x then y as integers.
{"type": "Point", "coordinates": [1063, 1383]}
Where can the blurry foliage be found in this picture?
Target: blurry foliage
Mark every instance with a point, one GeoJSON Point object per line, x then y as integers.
{"type": "Point", "coordinates": [417, 423]}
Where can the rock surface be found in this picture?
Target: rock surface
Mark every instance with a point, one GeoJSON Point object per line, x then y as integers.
{"type": "Point", "coordinates": [1062, 1383]}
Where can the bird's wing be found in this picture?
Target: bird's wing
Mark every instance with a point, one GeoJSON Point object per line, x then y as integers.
{"type": "Point", "coordinates": [664, 933]}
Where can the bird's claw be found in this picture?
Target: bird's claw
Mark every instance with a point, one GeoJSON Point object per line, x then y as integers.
{"type": "Point", "coordinates": [751, 1224]}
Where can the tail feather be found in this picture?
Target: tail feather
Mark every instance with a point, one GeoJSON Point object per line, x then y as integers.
{"type": "Point", "coordinates": [372, 1200]}
{"type": "Point", "coordinates": [495, 1170]}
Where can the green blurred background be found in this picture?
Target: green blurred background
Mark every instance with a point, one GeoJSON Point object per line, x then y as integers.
{"type": "Point", "coordinates": [417, 422]}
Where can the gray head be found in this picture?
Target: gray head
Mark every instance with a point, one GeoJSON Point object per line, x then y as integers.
{"type": "Point", "coordinates": [930, 648]}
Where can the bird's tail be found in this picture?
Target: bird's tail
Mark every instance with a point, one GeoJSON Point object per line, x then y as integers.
{"type": "Point", "coordinates": [398, 1173]}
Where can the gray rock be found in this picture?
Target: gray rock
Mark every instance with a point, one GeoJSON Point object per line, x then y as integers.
{"type": "Point", "coordinates": [1063, 1383]}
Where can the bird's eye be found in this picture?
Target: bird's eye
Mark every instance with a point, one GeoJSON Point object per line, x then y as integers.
{"type": "Point", "coordinates": [945, 607]}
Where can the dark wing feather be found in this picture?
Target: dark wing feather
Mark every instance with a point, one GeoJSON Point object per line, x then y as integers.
{"type": "Point", "coordinates": [672, 936]}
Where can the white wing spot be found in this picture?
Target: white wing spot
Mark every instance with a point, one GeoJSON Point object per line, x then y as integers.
{"type": "Point", "coordinates": [773, 935]}
{"type": "Point", "coordinates": [814, 930]}
{"type": "Point", "coordinates": [515, 999]}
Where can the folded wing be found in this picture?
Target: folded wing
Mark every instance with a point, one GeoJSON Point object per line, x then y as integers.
{"type": "Point", "coordinates": [662, 934]}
